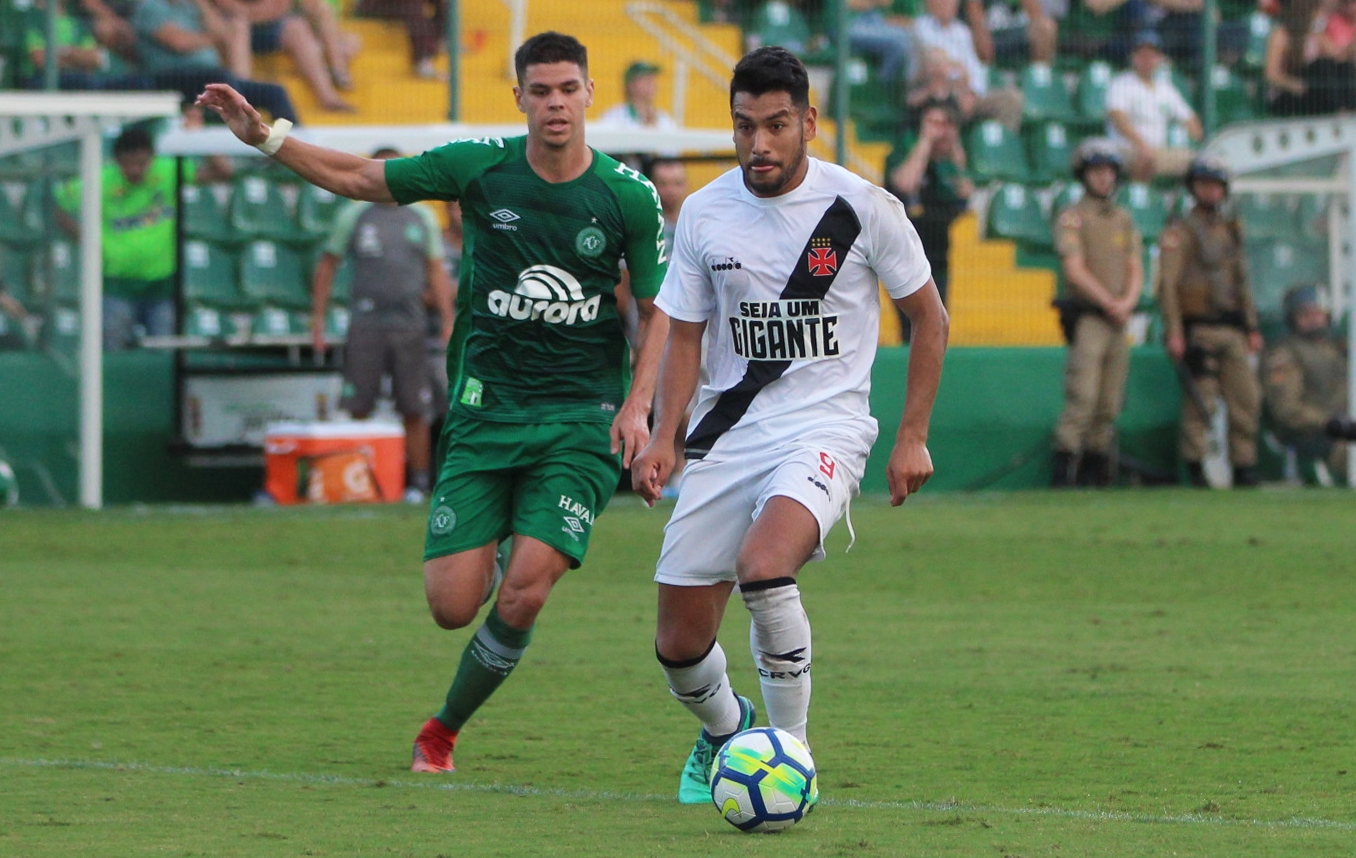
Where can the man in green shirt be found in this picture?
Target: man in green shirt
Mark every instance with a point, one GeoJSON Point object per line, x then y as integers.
{"type": "Point", "coordinates": [140, 195]}
{"type": "Point", "coordinates": [537, 361]}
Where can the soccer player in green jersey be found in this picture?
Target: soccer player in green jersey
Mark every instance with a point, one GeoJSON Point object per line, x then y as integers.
{"type": "Point", "coordinates": [541, 422]}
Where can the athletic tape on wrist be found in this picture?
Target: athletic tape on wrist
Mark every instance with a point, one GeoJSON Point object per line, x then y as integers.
{"type": "Point", "coordinates": [277, 133]}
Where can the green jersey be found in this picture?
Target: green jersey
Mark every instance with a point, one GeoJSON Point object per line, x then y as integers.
{"type": "Point", "coordinates": [138, 220]}
{"type": "Point", "coordinates": [537, 337]}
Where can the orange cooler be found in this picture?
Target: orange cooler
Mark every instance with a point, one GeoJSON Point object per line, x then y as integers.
{"type": "Point", "coordinates": [342, 461]}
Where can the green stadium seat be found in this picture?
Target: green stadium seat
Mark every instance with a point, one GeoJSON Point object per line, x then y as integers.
{"type": "Point", "coordinates": [1148, 208]}
{"type": "Point", "coordinates": [1090, 93]}
{"type": "Point", "coordinates": [1268, 216]}
{"type": "Point", "coordinates": [1233, 102]}
{"type": "Point", "coordinates": [1276, 265]}
{"type": "Point", "coordinates": [272, 275]}
{"type": "Point", "coordinates": [1044, 96]}
{"type": "Point", "coordinates": [1049, 147]}
{"type": "Point", "coordinates": [1067, 195]}
{"type": "Point", "coordinates": [24, 212]}
{"type": "Point", "coordinates": [63, 272]}
{"type": "Point", "coordinates": [16, 273]}
{"type": "Point", "coordinates": [995, 154]}
{"type": "Point", "coordinates": [1015, 214]}
{"type": "Point", "coordinates": [1259, 28]}
{"type": "Point", "coordinates": [204, 215]}
{"type": "Point", "coordinates": [210, 278]}
{"type": "Point", "coordinates": [778, 22]}
{"type": "Point", "coordinates": [316, 211]}
{"type": "Point", "coordinates": [258, 210]}
{"type": "Point", "coordinates": [277, 322]}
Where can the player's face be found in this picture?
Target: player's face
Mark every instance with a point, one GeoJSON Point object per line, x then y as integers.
{"type": "Point", "coordinates": [554, 97]}
{"type": "Point", "coordinates": [771, 137]}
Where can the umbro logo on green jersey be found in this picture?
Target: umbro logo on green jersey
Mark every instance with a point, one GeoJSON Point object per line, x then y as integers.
{"type": "Point", "coordinates": [548, 293]}
{"type": "Point", "coordinates": [505, 218]}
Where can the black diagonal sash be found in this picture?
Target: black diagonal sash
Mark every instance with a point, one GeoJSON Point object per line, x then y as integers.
{"type": "Point", "coordinates": [836, 232]}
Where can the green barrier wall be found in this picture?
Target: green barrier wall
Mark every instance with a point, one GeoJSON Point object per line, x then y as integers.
{"type": "Point", "coordinates": [990, 429]}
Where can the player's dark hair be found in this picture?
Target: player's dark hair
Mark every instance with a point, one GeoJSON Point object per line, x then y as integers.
{"type": "Point", "coordinates": [772, 69]}
{"type": "Point", "coordinates": [652, 165]}
{"type": "Point", "coordinates": [550, 47]}
{"type": "Point", "coordinates": [133, 139]}
{"type": "Point", "coordinates": [384, 152]}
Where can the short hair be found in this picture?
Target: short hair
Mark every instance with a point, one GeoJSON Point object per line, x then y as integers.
{"type": "Point", "coordinates": [661, 161]}
{"type": "Point", "coordinates": [133, 139]}
{"type": "Point", "coordinates": [771, 69]}
{"type": "Point", "coordinates": [550, 47]}
{"type": "Point", "coordinates": [946, 104]}
{"type": "Point", "coordinates": [382, 152]}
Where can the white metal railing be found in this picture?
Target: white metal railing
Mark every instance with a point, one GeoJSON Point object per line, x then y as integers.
{"type": "Point", "coordinates": [691, 50]}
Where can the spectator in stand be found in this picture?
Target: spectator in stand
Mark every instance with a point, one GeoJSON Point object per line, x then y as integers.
{"type": "Point", "coordinates": [174, 39]}
{"type": "Point", "coordinates": [321, 54]}
{"type": "Point", "coordinates": [927, 171]}
{"type": "Point", "coordinates": [1016, 32]}
{"type": "Point", "coordinates": [941, 28]}
{"type": "Point", "coordinates": [940, 78]}
{"type": "Point", "coordinates": [109, 24]}
{"type": "Point", "coordinates": [639, 110]}
{"type": "Point", "coordinates": [425, 22]}
{"type": "Point", "coordinates": [875, 31]}
{"type": "Point", "coordinates": [1308, 67]}
{"type": "Point", "coordinates": [140, 200]}
{"type": "Point", "coordinates": [81, 60]}
{"type": "Point", "coordinates": [1140, 105]}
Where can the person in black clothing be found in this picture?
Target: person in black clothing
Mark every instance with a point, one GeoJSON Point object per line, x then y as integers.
{"type": "Point", "coordinates": [927, 171]}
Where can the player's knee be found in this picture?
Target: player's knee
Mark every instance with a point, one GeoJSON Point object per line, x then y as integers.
{"type": "Point", "coordinates": [519, 606]}
{"type": "Point", "coordinates": [451, 615]}
{"type": "Point", "coordinates": [759, 566]}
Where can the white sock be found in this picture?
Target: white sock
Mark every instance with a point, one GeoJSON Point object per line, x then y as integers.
{"type": "Point", "coordinates": [704, 690]}
{"type": "Point", "coordinates": [779, 638]}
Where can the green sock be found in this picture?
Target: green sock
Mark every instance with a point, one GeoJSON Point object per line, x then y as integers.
{"type": "Point", "coordinates": [489, 657]}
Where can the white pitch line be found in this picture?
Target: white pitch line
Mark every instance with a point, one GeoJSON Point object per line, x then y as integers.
{"type": "Point", "coordinates": [605, 795]}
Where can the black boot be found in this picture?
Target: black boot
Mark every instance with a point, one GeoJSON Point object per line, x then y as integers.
{"type": "Point", "coordinates": [1095, 470]}
{"type": "Point", "coordinates": [1245, 477]}
{"type": "Point", "coordinates": [1061, 469]}
{"type": "Point", "coordinates": [1196, 476]}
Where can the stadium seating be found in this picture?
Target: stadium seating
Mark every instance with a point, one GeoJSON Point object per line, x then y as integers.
{"type": "Point", "coordinates": [1049, 148]}
{"type": "Point", "coordinates": [272, 275]}
{"type": "Point", "coordinates": [1090, 94]}
{"type": "Point", "coordinates": [1233, 101]}
{"type": "Point", "coordinates": [1015, 213]}
{"type": "Point", "coordinates": [995, 153]}
{"type": "Point", "coordinates": [1276, 265]}
{"type": "Point", "coordinates": [16, 272]}
{"type": "Point", "coordinates": [259, 210]}
{"type": "Point", "coordinates": [24, 212]}
{"type": "Point", "coordinates": [1147, 206]}
{"type": "Point", "coordinates": [1067, 195]}
{"type": "Point", "coordinates": [1044, 96]}
{"type": "Point", "coordinates": [316, 210]}
{"type": "Point", "coordinates": [1268, 216]}
{"type": "Point", "coordinates": [203, 214]}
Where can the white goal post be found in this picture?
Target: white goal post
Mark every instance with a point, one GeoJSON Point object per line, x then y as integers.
{"type": "Point", "coordinates": [32, 120]}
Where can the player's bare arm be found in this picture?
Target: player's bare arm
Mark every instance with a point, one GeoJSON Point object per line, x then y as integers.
{"type": "Point", "coordinates": [910, 463]}
{"type": "Point", "coordinates": [678, 372]}
{"type": "Point", "coordinates": [341, 173]}
{"type": "Point", "coordinates": [631, 427]}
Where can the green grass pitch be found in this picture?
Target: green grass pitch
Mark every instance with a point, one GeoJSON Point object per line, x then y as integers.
{"type": "Point", "coordinates": [1127, 674]}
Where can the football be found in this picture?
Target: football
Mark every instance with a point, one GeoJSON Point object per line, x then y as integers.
{"type": "Point", "coordinates": [763, 780]}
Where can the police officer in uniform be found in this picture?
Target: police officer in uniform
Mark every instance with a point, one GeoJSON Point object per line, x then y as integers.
{"type": "Point", "coordinates": [1211, 322]}
{"type": "Point", "coordinates": [1099, 250]}
{"type": "Point", "coordinates": [1304, 379]}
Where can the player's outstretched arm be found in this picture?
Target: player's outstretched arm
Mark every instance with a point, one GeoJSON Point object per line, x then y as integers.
{"type": "Point", "coordinates": [910, 463]}
{"type": "Point", "coordinates": [678, 371]}
{"type": "Point", "coordinates": [631, 427]}
{"type": "Point", "coordinates": [338, 172]}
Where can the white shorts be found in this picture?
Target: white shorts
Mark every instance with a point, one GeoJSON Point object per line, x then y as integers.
{"type": "Point", "coordinates": [720, 499]}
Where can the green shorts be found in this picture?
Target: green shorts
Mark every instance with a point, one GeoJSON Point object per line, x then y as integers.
{"type": "Point", "coordinates": [548, 481]}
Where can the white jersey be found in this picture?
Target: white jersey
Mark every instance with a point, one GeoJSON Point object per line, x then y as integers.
{"type": "Point", "coordinates": [788, 287]}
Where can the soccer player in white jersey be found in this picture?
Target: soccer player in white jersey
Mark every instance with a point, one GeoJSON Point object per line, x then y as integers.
{"type": "Point", "coordinates": [780, 260]}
